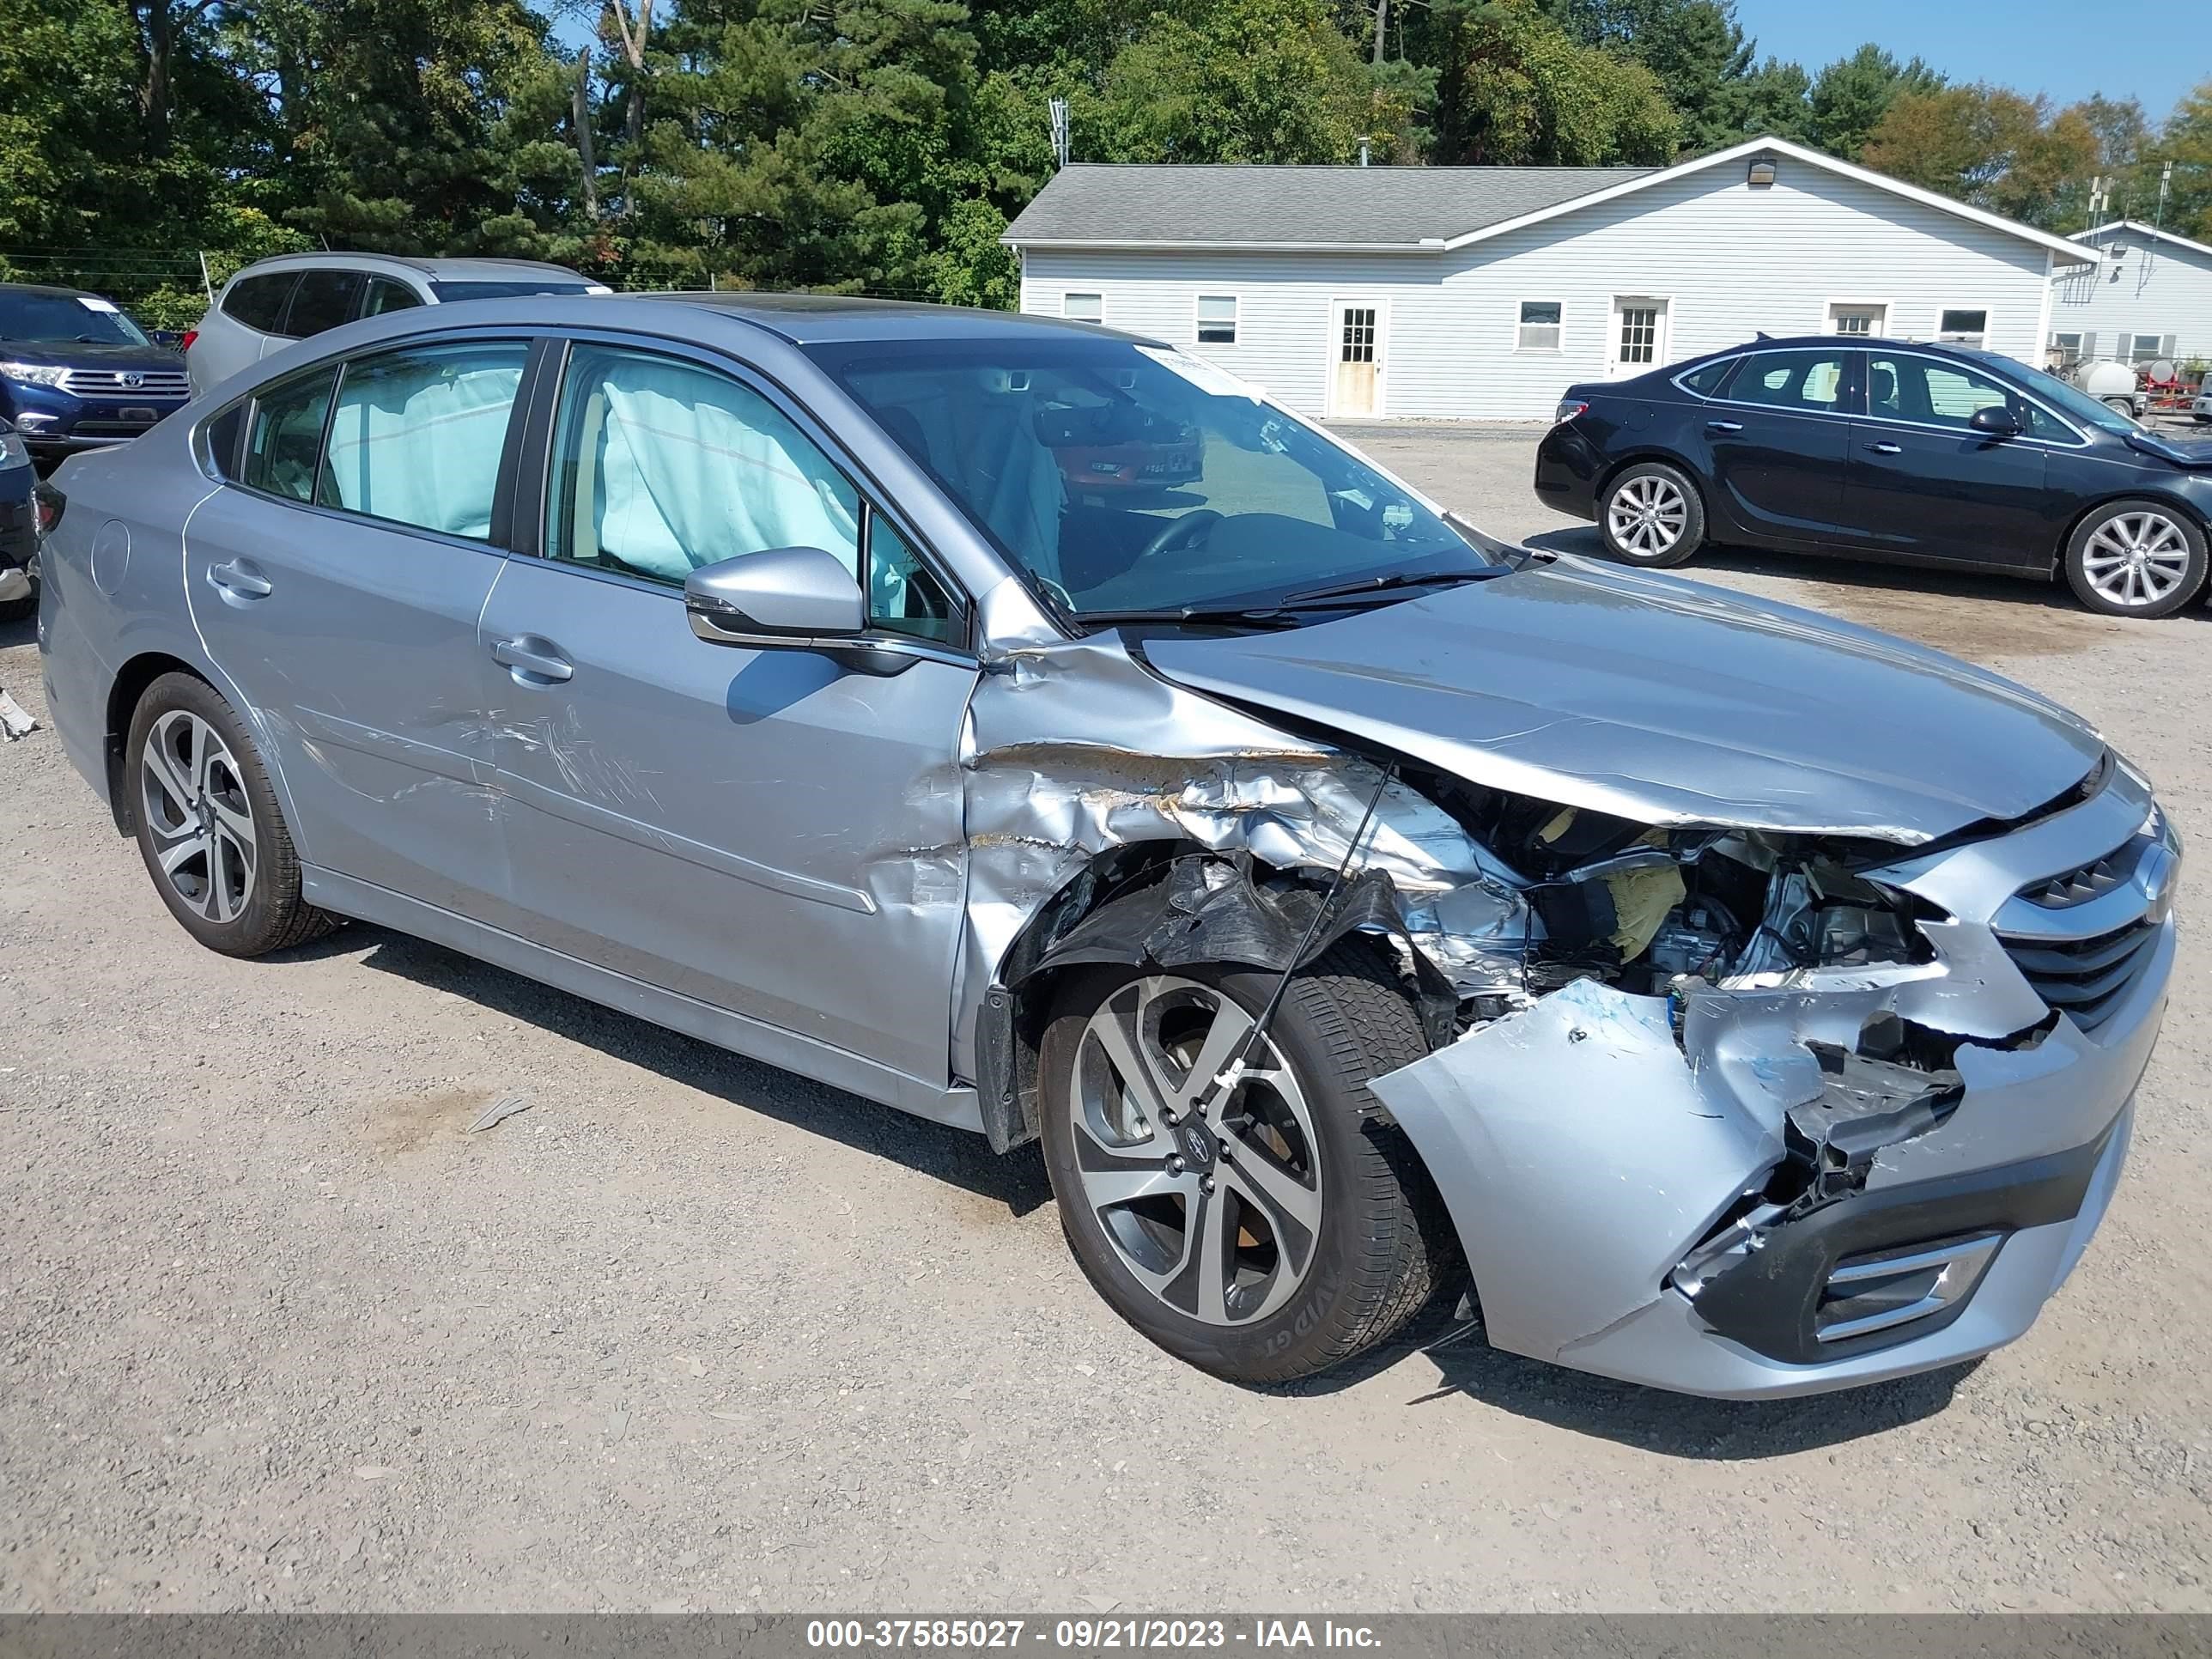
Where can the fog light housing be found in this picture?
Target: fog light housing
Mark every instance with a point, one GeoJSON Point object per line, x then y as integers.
{"type": "Point", "coordinates": [1880, 1292]}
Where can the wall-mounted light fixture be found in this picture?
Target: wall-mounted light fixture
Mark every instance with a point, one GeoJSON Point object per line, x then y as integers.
{"type": "Point", "coordinates": [1762, 173]}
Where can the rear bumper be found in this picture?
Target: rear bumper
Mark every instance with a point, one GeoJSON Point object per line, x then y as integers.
{"type": "Point", "coordinates": [1610, 1162]}
{"type": "Point", "coordinates": [1567, 468]}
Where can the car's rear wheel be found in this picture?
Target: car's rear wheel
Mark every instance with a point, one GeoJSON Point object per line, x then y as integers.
{"type": "Point", "coordinates": [210, 829]}
{"type": "Point", "coordinates": [1263, 1238]}
{"type": "Point", "coordinates": [1652, 515]}
{"type": "Point", "coordinates": [2137, 558]}
{"type": "Point", "coordinates": [17, 609]}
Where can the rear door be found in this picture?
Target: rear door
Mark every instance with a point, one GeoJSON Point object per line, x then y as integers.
{"type": "Point", "coordinates": [769, 831]}
{"type": "Point", "coordinates": [1778, 440]}
{"type": "Point", "coordinates": [338, 583]}
{"type": "Point", "coordinates": [1924, 484]}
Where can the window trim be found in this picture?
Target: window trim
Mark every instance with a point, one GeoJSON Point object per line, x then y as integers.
{"type": "Point", "coordinates": [1852, 302]}
{"type": "Point", "coordinates": [1065, 295]}
{"type": "Point", "coordinates": [2080, 440]}
{"type": "Point", "coordinates": [1519, 349]}
{"type": "Point", "coordinates": [533, 477]}
{"type": "Point", "coordinates": [1236, 318]}
{"type": "Point", "coordinates": [1988, 325]}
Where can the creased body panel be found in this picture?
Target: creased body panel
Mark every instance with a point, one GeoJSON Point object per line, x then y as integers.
{"type": "Point", "coordinates": [1666, 701]}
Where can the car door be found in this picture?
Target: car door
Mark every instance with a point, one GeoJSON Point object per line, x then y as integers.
{"type": "Point", "coordinates": [1924, 484]}
{"type": "Point", "coordinates": [1778, 444]}
{"type": "Point", "coordinates": [771, 831]}
{"type": "Point", "coordinates": [338, 583]}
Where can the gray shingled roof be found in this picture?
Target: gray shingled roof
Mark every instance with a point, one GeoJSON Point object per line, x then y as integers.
{"type": "Point", "coordinates": [1306, 206]}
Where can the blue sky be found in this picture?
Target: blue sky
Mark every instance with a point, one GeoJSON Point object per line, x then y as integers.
{"type": "Point", "coordinates": [2153, 49]}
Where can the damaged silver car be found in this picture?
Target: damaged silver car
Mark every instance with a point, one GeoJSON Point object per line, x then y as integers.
{"type": "Point", "coordinates": [1037, 729]}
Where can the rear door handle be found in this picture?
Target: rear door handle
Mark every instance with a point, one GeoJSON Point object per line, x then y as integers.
{"type": "Point", "coordinates": [1886, 449]}
{"type": "Point", "coordinates": [528, 655]}
{"type": "Point", "coordinates": [239, 579]}
{"type": "Point", "coordinates": [1723, 425]}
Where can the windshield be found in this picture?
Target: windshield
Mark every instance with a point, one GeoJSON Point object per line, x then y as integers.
{"type": "Point", "coordinates": [2067, 398]}
{"type": "Point", "coordinates": [65, 319]}
{"type": "Point", "coordinates": [1123, 477]}
{"type": "Point", "coordinates": [450, 292]}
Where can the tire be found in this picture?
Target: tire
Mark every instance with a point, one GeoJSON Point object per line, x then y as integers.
{"type": "Point", "coordinates": [2137, 558]}
{"type": "Point", "coordinates": [17, 609]}
{"type": "Point", "coordinates": [2125, 405]}
{"type": "Point", "coordinates": [200, 795]}
{"type": "Point", "coordinates": [1652, 515]}
{"type": "Point", "coordinates": [1382, 1243]}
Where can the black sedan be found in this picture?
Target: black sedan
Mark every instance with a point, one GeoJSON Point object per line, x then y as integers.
{"type": "Point", "coordinates": [1917, 454]}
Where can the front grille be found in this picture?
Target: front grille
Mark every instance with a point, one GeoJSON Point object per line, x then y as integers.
{"type": "Point", "coordinates": [2092, 880]}
{"type": "Point", "coordinates": [110, 383]}
{"type": "Point", "coordinates": [2085, 977]}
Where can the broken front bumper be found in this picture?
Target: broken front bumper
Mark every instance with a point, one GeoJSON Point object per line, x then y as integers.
{"type": "Point", "coordinates": [1604, 1156]}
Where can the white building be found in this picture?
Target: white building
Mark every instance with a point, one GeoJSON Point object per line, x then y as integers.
{"type": "Point", "coordinates": [2149, 296]}
{"type": "Point", "coordinates": [1439, 292]}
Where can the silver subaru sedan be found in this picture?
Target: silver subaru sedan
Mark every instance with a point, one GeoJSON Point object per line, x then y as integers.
{"type": "Point", "coordinates": [1038, 729]}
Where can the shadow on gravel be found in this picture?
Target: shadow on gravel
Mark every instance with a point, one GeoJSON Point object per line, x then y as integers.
{"type": "Point", "coordinates": [1671, 1425]}
{"type": "Point", "coordinates": [953, 1156]}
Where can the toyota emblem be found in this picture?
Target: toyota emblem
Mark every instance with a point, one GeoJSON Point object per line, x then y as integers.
{"type": "Point", "coordinates": [133, 379]}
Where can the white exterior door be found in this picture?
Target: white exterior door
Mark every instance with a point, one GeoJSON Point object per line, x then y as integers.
{"type": "Point", "coordinates": [1638, 343]}
{"type": "Point", "coordinates": [1356, 359]}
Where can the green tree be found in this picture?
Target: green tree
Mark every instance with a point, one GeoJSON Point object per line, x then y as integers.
{"type": "Point", "coordinates": [1849, 97]}
{"type": "Point", "coordinates": [1991, 146]}
{"type": "Point", "coordinates": [1514, 88]}
{"type": "Point", "coordinates": [1695, 48]}
{"type": "Point", "coordinates": [2186, 140]}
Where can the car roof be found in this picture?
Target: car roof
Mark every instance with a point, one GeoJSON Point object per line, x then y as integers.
{"type": "Point", "coordinates": [47, 288]}
{"type": "Point", "coordinates": [1848, 342]}
{"type": "Point", "coordinates": [438, 270]}
{"type": "Point", "coordinates": [827, 318]}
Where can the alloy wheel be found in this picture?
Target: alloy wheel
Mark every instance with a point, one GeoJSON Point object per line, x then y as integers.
{"type": "Point", "coordinates": [198, 812]}
{"type": "Point", "coordinates": [1213, 1206]}
{"type": "Point", "coordinates": [1646, 516]}
{"type": "Point", "coordinates": [2137, 559]}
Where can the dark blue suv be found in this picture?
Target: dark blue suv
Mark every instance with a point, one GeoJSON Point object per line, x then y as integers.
{"type": "Point", "coordinates": [76, 372]}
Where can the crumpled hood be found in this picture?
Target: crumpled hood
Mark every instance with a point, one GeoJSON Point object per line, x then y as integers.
{"type": "Point", "coordinates": [1663, 701]}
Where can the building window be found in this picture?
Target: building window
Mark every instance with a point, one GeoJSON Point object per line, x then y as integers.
{"type": "Point", "coordinates": [1083, 307]}
{"type": "Point", "coordinates": [2145, 348]}
{"type": "Point", "coordinates": [2065, 349]}
{"type": "Point", "coordinates": [1216, 320]}
{"type": "Point", "coordinates": [1966, 328]}
{"type": "Point", "coordinates": [1852, 317]}
{"type": "Point", "coordinates": [1539, 326]}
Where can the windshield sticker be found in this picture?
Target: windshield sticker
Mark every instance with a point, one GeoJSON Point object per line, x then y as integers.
{"type": "Point", "coordinates": [1209, 378]}
{"type": "Point", "coordinates": [91, 304]}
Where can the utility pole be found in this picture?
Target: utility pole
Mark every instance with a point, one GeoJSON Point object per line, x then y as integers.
{"type": "Point", "coordinates": [1061, 148]}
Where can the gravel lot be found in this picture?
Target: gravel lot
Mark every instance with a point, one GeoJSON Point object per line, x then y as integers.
{"type": "Point", "coordinates": [693, 1333]}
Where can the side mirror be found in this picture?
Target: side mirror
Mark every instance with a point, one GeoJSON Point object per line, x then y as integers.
{"type": "Point", "coordinates": [785, 596]}
{"type": "Point", "coordinates": [1994, 420]}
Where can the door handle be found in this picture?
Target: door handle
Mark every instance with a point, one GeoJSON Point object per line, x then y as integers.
{"type": "Point", "coordinates": [1886, 449]}
{"type": "Point", "coordinates": [528, 654]}
{"type": "Point", "coordinates": [238, 579]}
{"type": "Point", "coordinates": [1723, 425]}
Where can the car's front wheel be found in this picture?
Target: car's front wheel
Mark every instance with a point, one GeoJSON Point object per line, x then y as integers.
{"type": "Point", "coordinates": [1652, 515]}
{"type": "Point", "coordinates": [213, 840]}
{"type": "Point", "coordinates": [1267, 1237]}
{"type": "Point", "coordinates": [2137, 558]}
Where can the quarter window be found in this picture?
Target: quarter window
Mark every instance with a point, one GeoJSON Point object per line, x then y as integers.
{"type": "Point", "coordinates": [1705, 378]}
{"type": "Point", "coordinates": [1809, 381]}
{"type": "Point", "coordinates": [385, 295]}
{"type": "Point", "coordinates": [1216, 320]}
{"type": "Point", "coordinates": [416, 436]}
{"type": "Point", "coordinates": [258, 301]}
{"type": "Point", "coordinates": [287, 438]}
{"type": "Point", "coordinates": [1540, 325]}
{"type": "Point", "coordinates": [1083, 307]}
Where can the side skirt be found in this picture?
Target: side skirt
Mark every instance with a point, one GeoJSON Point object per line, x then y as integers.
{"type": "Point", "coordinates": [752, 1038]}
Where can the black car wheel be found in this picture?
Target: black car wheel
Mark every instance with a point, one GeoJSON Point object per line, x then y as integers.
{"type": "Point", "coordinates": [2137, 558]}
{"type": "Point", "coordinates": [1652, 515]}
{"type": "Point", "coordinates": [209, 827]}
{"type": "Point", "coordinates": [1263, 1238]}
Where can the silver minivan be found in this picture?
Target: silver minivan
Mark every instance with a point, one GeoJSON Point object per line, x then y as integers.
{"type": "Point", "coordinates": [1039, 730]}
{"type": "Point", "coordinates": [272, 302]}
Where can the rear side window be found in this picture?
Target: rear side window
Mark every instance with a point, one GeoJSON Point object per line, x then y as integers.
{"type": "Point", "coordinates": [385, 295]}
{"type": "Point", "coordinates": [1706, 378]}
{"type": "Point", "coordinates": [323, 301]}
{"type": "Point", "coordinates": [416, 435]}
{"type": "Point", "coordinates": [286, 439]}
{"type": "Point", "coordinates": [1808, 380]}
{"type": "Point", "coordinates": [258, 301]}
